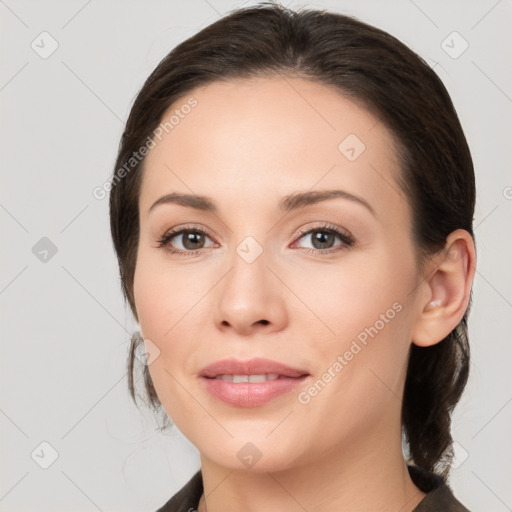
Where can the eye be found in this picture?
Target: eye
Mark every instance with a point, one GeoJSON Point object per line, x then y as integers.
{"type": "Point", "coordinates": [191, 240]}
{"type": "Point", "coordinates": [323, 237]}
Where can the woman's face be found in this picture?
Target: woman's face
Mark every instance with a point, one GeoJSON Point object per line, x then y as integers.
{"type": "Point", "coordinates": [269, 278]}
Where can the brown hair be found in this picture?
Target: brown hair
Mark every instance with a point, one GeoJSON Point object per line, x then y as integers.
{"type": "Point", "coordinates": [394, 83]}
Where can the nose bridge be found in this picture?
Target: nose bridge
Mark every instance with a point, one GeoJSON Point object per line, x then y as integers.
{"type": "Point", "coordinates": [250, 250]}
{"type": "Point", "coordinates": [247, 279]}
{"type": "Point", "coordinates": [247, 295]}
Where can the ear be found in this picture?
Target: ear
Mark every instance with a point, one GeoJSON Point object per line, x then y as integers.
{"type": "Point", "coordinates": [445, 291]}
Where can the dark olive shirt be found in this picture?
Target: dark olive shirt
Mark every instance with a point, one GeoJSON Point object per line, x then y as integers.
{"type": "Point", "coordinates": [439, 497]}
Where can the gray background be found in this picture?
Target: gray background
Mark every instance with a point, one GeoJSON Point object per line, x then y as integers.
{"type": "Point", "coordinates": [65, 329]}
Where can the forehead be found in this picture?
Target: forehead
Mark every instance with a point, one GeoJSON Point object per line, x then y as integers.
{"type": "Point", "coordinates": [279, 133]}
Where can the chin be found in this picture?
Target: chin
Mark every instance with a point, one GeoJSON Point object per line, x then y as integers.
{"type": "Point", "coordinates": [251, 457]}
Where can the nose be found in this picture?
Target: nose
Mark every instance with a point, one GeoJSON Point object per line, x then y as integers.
{"type": "Point", "coordinates": [250, 298]}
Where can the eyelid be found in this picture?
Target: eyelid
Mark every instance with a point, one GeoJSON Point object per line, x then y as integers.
{"type": "Point", "coordinates": [327, 226]}
{"type": "Point", "coordinates": [344, 235]}
{"type": "Point", "coordinates": [171, 233]}
{"type": "Point", "coordinates": [346, 238]}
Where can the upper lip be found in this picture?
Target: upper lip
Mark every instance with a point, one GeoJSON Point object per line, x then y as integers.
{"type": "Point", "coordinates": [256, 366]}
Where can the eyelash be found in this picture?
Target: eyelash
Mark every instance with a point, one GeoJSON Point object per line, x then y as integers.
{"type": "Point", "coordinates": [346, 239]}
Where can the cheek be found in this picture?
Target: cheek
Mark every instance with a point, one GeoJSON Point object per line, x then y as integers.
{"type": "Point", "coordinates": [361, 312]}
{"type": "Point", "coordinates": [162, 305]}
{"type": "Point", "coordinates": [154, 297]}
{"type": "Point", "coordinates": [163, 294]}
{"type": "Point", "coordinates": [169, 306]}
{"type": "Point", "coordinates": [341, 300]}
{"type": "Point", "coordinates": [151, 303]}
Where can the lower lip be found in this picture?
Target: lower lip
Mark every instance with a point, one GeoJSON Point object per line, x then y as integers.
{"type": "Point", "coordinates": [251, 394]}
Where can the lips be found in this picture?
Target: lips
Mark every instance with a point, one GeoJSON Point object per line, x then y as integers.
{"type": "Point", "coordinates": [251, 383]}
{"type": "Point", "coordinates": [247, 394]}
{"type": "Point", "coordinates": [257, 366]}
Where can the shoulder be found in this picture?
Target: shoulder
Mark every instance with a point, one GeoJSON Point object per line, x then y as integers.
{"type": "Point", "coordinates": [187, 498]}
{"type": "Point", "coordinates": [439, 497]}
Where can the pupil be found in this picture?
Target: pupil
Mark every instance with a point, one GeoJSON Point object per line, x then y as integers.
{"type": "Point", "coordinates": [321, 238]}
{"type": "Point", "coordinates": [191, 238]}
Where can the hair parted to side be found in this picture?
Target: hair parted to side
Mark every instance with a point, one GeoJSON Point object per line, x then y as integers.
{"type": "Point", "coordinates": [396, 85]}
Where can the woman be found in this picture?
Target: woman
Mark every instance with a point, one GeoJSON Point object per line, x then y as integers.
{"type": "Point", "coordinates": [292, 210]}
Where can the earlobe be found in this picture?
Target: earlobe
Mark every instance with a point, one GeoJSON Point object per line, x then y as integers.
{"type": "Point", "coordinates": [446, 290]}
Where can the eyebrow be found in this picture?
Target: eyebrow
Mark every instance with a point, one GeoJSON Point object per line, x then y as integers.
{"type": "Point", "coordinates": [287, 204]}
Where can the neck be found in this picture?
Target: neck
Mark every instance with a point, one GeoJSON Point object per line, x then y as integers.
{"type": "Point", "coordinates": [365, 474]}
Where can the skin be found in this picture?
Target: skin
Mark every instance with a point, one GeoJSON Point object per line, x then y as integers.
{"type": "Point", "coordinates": [247, 144]}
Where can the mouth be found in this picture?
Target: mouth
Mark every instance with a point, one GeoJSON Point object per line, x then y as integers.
{"type": "Point", "coordinates": [248, 378]}
{"type": "Point", "coordinates": [251, 383]}
{"type": "Point", "coordinates": [257, 368]}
